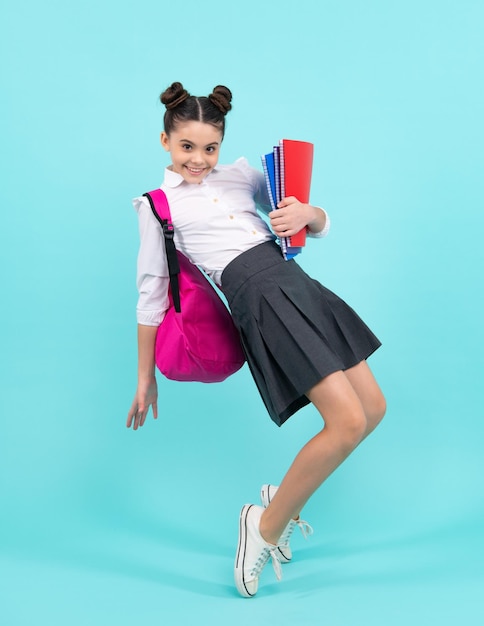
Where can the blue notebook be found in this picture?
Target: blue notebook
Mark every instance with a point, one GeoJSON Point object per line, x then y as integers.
{"type": "Point", "coordinates": [274, 177]}
{"type": "Point", "coordinates": [270, 176]}
{"type": "Point", "coordinates": [272, 184]}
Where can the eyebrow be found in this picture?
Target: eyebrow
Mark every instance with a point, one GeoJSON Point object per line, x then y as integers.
{"type": "Point", "coordinates": [213, 143]}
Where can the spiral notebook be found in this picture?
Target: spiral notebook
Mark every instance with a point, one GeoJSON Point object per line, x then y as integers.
{"type": "Point", "coordinates": [287, 172]}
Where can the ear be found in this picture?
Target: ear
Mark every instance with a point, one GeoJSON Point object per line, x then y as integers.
{"type": "Point", "coordinates": [165, 141]}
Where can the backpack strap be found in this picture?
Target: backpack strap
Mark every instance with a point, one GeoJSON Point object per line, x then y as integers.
{"type": "Point", "coordinates": [161, 210]}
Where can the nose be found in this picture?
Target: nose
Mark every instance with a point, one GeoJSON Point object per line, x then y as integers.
{"type": "Point", "coordinates": [196, 157]}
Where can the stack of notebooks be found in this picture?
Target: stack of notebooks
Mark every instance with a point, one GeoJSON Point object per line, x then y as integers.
{"type": "Point", "coordinates": [287, 171]}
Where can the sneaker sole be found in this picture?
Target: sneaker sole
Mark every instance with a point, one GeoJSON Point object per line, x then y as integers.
{"type": "Point", "coordinates": [240, 554]}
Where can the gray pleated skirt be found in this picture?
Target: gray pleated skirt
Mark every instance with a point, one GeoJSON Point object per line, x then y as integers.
{"type": "Point", "coordinates": [294, 331]}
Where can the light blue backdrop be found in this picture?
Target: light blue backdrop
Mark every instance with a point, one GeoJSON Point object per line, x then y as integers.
{"type": "Point", "coordinates": [100, 525]}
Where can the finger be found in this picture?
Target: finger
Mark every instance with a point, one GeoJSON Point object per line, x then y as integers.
{"type": "Point", "coordinates": [131, 415]}
{"type": "Point", "coordinates": [133, 419]}
{"type": "Point", "coordinates": [278, 224]}
{"type": "Point", "coordinates": [286, 202]}
{"type": "Point", "coordinates": [277, 214]}
{"type": "Point", "coordinates": [155, 410]}
{"type": "Point", "coordinates": [138, 418]}
{"type": "Point", "coordinates": [280, 228]}
{"type": "Point", "coordinates": [286, 232]}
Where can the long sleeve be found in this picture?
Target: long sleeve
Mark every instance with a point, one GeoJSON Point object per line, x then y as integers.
{"type": "Point", "coordinates": [258, 184]}
{"type": "Point", "coordinates": [152, 275]}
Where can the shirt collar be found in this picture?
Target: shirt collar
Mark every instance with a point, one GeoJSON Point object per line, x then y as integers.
{"type": "Point", "coordinates": [173, 179]}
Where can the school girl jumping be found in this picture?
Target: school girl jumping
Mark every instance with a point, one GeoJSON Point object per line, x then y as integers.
{"type": "Point", "coordinates": [302, 342]}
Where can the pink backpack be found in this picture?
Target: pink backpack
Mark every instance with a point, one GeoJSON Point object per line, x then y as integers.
{"type": "Point", "coordinates": [197, 339]}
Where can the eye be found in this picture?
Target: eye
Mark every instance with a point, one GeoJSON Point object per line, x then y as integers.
{"type": "Point", "coordinates": [186, 146]}
{"type": "Point", "coordinates": [211, 149]}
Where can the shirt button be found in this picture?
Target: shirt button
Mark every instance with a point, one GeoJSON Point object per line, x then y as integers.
{"type": "Point", "coordinates": [215, 199]}
{"type": "Point", "coordinates": [231, 217]}
{"type": "Point", "coordinates": [254, 232]}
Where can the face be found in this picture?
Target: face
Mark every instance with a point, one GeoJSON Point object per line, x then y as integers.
{"type": "Point", "coordinates": [194, 148]}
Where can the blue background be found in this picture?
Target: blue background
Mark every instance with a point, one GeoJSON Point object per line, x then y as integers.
{"type": "Point", "coordinates": [100, 525]}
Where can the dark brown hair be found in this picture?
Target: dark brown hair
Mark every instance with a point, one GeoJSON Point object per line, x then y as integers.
{"type": "Point", "coordinates": [182, 107]}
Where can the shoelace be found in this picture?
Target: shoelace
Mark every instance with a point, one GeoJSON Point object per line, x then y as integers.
{"type": "Point", "coordinates": [306, 530]}
{"type": "Point", "coordinates": [262, 560]}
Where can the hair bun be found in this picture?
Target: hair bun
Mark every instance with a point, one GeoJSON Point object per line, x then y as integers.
{"type": "Point", "coordinates": [174, 95]}
{"type": "Point", "coordinates": [221, 98]}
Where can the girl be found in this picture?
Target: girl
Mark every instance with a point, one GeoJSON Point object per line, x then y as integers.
{"type": "Point", "coordinates": [303, 344]}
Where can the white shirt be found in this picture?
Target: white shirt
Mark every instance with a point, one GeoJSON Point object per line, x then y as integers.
{"type": "Point", "coordinates": [214, 222]}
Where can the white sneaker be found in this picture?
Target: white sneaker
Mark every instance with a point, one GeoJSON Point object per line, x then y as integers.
{"type": "Point", "coordinates": [252, 552]}
{"type": "Point", "coordinates": [285, 554]}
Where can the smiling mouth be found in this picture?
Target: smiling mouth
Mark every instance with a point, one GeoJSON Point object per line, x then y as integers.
{"type": "Point", "coordinates": [195, 171]}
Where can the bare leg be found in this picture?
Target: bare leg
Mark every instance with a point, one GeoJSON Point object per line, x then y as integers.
{"type": "Point", "coordinates": [369, 393]}
{"type": "Point", "coordinates": [351, 404]}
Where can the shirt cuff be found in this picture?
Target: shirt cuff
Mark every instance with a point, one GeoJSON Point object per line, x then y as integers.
{"type": "Point", "coordinates": [149, 318]}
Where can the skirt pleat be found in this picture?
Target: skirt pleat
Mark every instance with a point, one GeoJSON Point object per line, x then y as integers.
{"type": "Point", "coordinates": [294, 330]}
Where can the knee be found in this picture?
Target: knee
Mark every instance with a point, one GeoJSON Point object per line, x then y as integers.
{"type": "Point", "coordinates": [352, 429]}
{"type": "Point", "coordinates": [382, 407]}
{"type": "Point", "coordinates": [377, 411]}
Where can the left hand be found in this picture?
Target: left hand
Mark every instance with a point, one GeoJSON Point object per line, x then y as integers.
{"type": "Point", "coordinates": [146, 396]}
{"type": "Point", "coordinates": [290, 217]}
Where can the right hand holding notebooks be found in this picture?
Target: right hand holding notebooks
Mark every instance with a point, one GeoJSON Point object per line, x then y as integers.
{"type": "Point", "coordinates": [287, 171]}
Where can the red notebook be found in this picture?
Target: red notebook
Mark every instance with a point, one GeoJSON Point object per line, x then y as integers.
{"type": "Point", "coordinates": [296, 169]}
